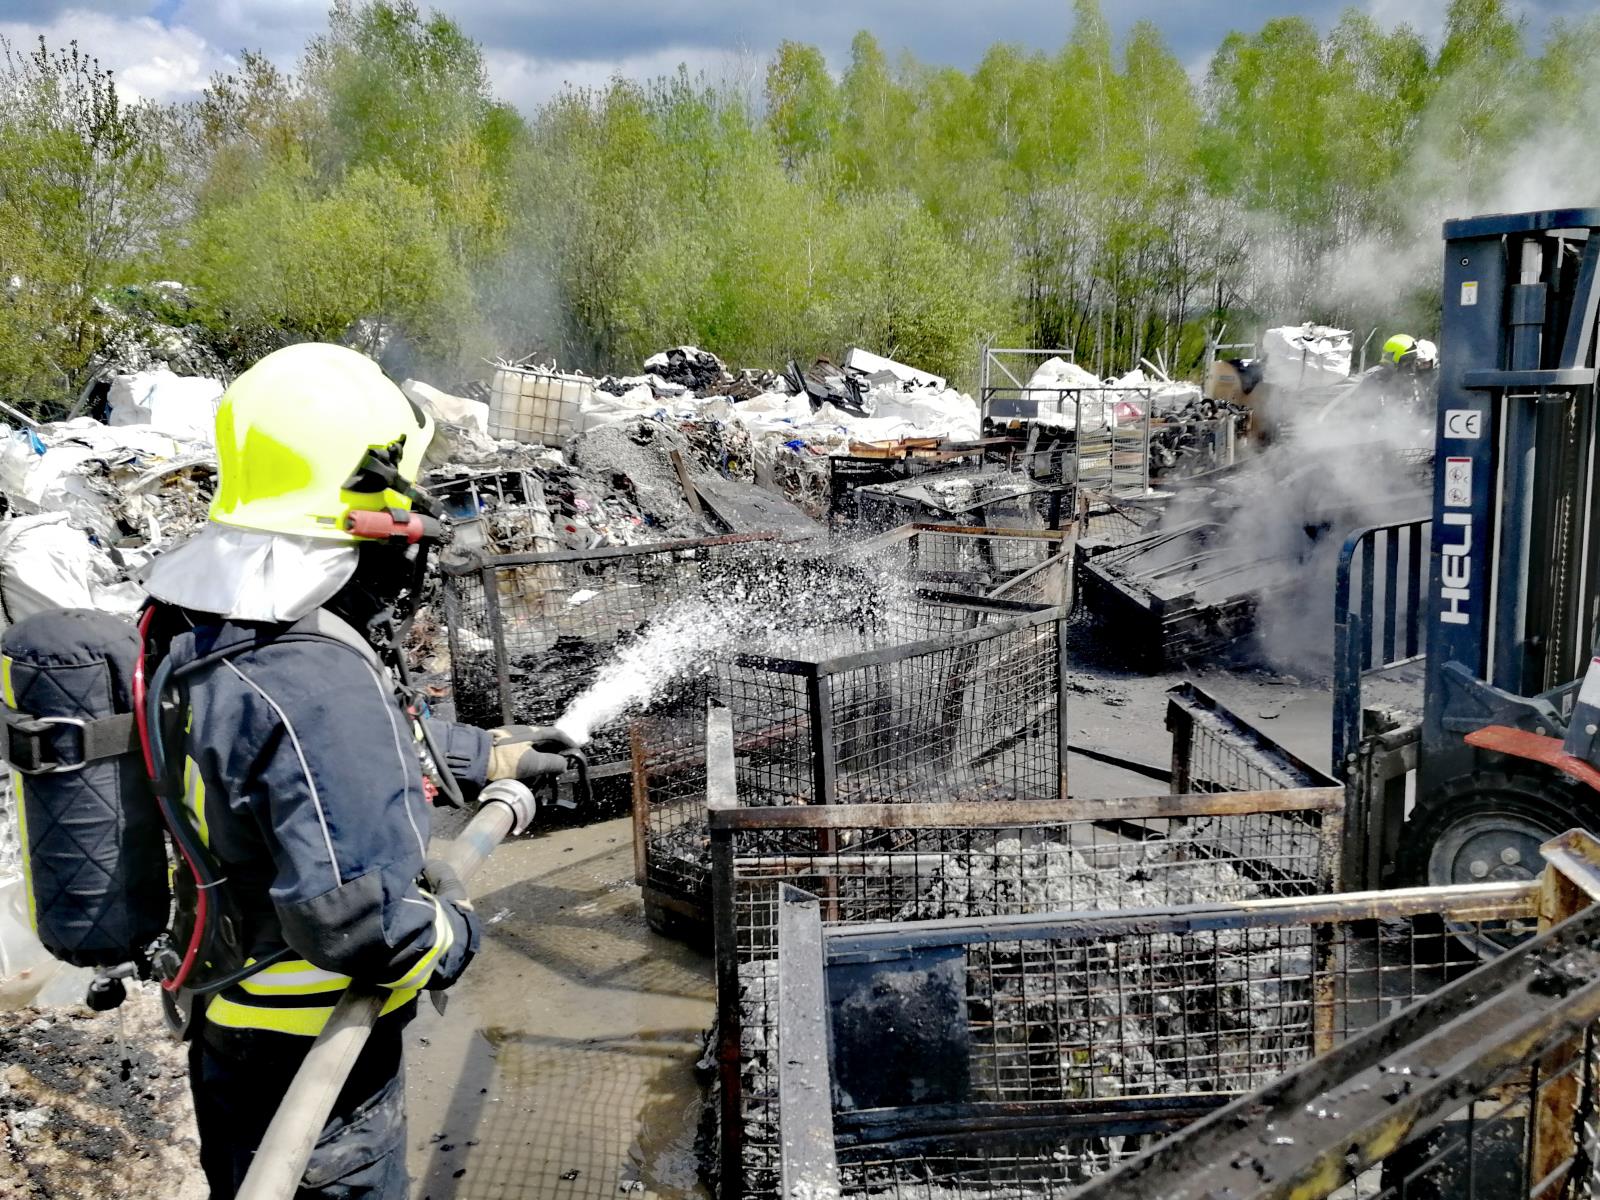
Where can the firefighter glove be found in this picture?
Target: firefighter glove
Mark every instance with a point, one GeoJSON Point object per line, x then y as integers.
{"type": "Point", "coordinates": [525, 752]}
{"type": "Point", "coordinates": [440, 878]}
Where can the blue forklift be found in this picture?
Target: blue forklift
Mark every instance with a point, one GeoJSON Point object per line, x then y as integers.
{"type": "Point", "coordinates": [1499, 615]}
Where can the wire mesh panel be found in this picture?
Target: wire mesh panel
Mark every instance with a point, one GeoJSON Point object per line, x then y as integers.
{"type": "Point", "coordinates": [1022, 564]}
{"type": "Point", "coordinates": [1005, 499]}
{"type": "Point", "coordinates": [527, 630]}
{"type": "Point", "coordinates": [1067, 1041]}
{"type": "Point", "coordinates": [1114, 520]}
{"type": "Point", "coordinates": [942, 696]}
{"type": "Point", "coordinates": [1486, 1089]}
{"type": "Point", "coordinates": [936, 696]}
{"type": "Point", "coordinates": [1216, 750]}
{"type": "Point", "coordinates": [921, 862]}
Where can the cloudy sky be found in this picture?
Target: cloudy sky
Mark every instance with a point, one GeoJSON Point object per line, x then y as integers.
{"type": "Point", "coordinates": [167, 49]}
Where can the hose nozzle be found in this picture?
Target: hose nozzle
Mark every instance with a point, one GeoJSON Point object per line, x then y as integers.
{"type": "Point", "coordinates": [515, 796]}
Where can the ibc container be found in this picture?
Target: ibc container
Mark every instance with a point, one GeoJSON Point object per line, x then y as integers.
{"type": "Point", "coordinates": [528, 405]}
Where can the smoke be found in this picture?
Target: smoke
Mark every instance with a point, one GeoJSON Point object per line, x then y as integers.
{"type": "Point", "coordinates": [1488, 141]}
{"type": "Point", "coordinates": [1279, 521]}
{"type": "Point", "coordinates": [1307, 494]}
{"type": "Point", "coordinates": [1555, 169]}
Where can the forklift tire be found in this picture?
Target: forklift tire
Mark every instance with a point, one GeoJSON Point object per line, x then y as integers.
{"type": "Point", "coordinates": [1487, 828]}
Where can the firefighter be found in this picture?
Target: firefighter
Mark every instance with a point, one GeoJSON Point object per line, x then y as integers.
{"type": "Point", "coordinates": [1405, 353]}
{"type": "Point", "coordinates": [302, 760]}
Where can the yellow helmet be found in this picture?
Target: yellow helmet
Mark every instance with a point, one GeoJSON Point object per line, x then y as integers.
{"type": "Point", "coordinates": [311, 434]}
{"type": "Point", "coordinates": [1400, 348]}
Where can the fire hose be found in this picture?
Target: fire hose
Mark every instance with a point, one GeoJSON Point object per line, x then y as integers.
{"type": "Point", "coordinates": [275, 1173]}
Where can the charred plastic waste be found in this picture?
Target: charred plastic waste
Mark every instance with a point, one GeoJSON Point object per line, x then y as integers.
{"type": "Point", "coordinates": [1244, 557]}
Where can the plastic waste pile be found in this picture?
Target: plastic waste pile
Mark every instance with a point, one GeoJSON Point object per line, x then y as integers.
{"type": "Point", "coordinates": [774, 430]}
{"type": "Point", "coordinates": [1306, 356]}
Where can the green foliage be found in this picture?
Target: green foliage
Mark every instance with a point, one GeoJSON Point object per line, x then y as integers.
{"type": "Point", "coordinates": [312, 263]}
{"type": "Point", "coordinates": [802, 103]}
{"type": "Point", "coordinates": [84, 195]}
{"type": "Point", "coordinates": [1092, 197]}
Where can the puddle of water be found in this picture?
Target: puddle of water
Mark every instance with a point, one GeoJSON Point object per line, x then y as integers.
{"type": "Point", "coordinates": [565, 1065]}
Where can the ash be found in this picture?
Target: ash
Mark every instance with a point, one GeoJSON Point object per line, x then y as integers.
{"type": "Point", "coordinates": [75, 1124]}
{"type": "Point", "coordinates": [1109, 1017]}
{"type": "Point", "coordinates": [1050, 876]}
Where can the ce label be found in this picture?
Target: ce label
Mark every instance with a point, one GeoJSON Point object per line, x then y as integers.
{"type": "Point", "coordinates": [1463, 423]}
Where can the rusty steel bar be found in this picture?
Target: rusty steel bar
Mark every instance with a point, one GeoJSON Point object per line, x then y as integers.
{"type": "Point", "coordinates": [1576, 855]}
{"type": "Point", "coordinates": [1009, 814]}
{"type": "Point", "coordinates": [641, 805]}
{"type": "Point", "coordinates": [492, 562]}
{"type": "Point", "coordinates": [497, 636]}
{"type": "Point", "coordinates": [1563, 894]}
{"type": "Point", "coordinates": [905, 532]}
{"type": "Point", "coordinates": [1464, 903]}
{"type": "Point", "coordinates": [1180, 723]}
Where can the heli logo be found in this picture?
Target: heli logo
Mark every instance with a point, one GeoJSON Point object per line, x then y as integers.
{"type": "Point", "coordinates": [1455, 569]}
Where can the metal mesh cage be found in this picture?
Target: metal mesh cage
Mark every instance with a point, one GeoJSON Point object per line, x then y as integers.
{"type": "Point", "coordinates": [526, 630]}
{"type": "Point", "coordinates": [1053, 1046]}
{"type": "Point", "coordinates": [1485, 1089]}
{"type": "Point", "coordinates": [913, 863]}
{"type": "Point", "coordinates": [1019, 564]}
{"type": "Point", "coordinates": [1216, 750]}
{"type": "Point", "coordinates": [1114, 520]}
{"type": "Point", "coordinates": [996, 498]}
{"type": "Point", "coordinates": [943, 696]}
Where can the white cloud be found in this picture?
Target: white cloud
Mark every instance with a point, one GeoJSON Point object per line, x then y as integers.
{"type": "Point", "coordinates": [526, 81]}
{"type": "Point", "coordinates": [150, 60]}
{"type": "Point", "coordinates": [1425, 16]}
{"type": "Point", "coordinates": [280, 28]}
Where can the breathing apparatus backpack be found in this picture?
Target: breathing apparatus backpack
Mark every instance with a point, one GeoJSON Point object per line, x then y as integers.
{"type": "Point", "coordinates": [94, 855]}
{"type": "Point", "coordinates": [96, 807]}
{"type": "Point", "coordinates": [96, 752]}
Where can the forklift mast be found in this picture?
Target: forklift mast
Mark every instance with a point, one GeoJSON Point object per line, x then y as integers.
{"type": "Point", "coordinates": [1515, 561]}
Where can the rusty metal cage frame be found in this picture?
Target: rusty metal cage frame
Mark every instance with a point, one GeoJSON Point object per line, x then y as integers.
{"type": "Point", "coordinates": [1006, 497]}
{"type": "Point", "coordinates": [1216, 750]}
{"type": "Point", "coordinates": [981, 706]}
{"type": "Point", "coordinates": [1016, 564]}
{"type": "Point", "coordinates": [1031, 1136]}
{"type": "Point", "coordinates": [1488, 1088]}
{"type": "Point", "coordinates": [498, 606]}
{"type": "Point", "coordinates": [870, 862]}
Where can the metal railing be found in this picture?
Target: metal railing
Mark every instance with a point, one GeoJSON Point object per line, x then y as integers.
{"type": "Point", "coordinates": [1380, 621]}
